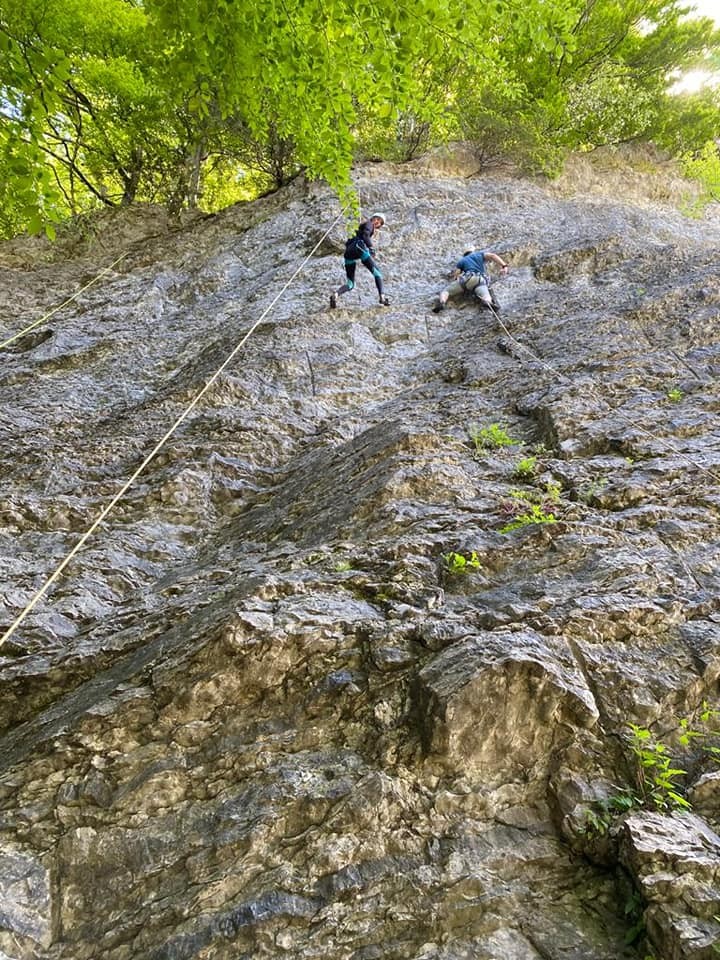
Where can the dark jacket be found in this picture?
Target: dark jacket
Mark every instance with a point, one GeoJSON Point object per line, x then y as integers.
{"type": "Point", "coordinates": [362, 241]}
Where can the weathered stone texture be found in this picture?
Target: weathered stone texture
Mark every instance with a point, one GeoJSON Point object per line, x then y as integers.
{"type": "Point", "coordinates": [260, 714]}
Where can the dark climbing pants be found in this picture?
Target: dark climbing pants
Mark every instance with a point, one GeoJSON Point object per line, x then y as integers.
{"type": "Point", "coordinates": [355, 252]}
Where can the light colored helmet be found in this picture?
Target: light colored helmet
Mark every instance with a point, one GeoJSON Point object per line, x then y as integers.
{"type": "Point", "coordinates": [379, 216]}
{"type": "Point", "coordinates": [468, 248]}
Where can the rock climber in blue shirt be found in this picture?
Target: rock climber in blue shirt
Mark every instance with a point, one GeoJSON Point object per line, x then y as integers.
{"type": "Point", "coordinates": [470, 275]}
{"type": "Point", "coordinates": [360, 248]}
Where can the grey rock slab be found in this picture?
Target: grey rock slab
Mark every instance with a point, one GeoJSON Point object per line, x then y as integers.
{"type": "Point", "coordinates": [496, 704]}
{"type": "Point", "coordinates": [25, 895]}
{"type": "Point", "coordinates": [675, 859]}
{"type": "Point", "coordinates": [255, 707]}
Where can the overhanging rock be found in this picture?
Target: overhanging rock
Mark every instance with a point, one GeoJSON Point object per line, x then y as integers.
{"type": "Point", "coordinates": [496, 705]}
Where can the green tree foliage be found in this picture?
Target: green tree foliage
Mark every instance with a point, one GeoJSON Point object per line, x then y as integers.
{"type": "Point", "coordinates": [583, 73]}
{"type": "Point", "coordinates": [704, 166]}
{"type": "Point", "coordinates": [686, 123]}
{"type": "Point", "coordinates": [302, 74]}
{"type": "Point", "coordinates": [414, 130]}
{"type": "Point", "coordinates": [77, 105]}
{"type": "Point", "coordinates": [186, 102]}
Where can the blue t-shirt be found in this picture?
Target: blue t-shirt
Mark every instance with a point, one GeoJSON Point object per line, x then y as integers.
{"type": "Point", "coordinates": [472, 263]}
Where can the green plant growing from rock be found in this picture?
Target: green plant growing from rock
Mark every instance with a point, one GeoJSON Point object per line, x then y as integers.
{"type": "Point", "coordinates": [526, 507]}
{"type": "Point", "coordinates": [601, 816]}
{"type": "Point", "coordinates": [541, 449]}
{"type": "Point", "coordinates": [703, 732]}
{"type": "Point", "coordinates": [621, 802]}
{"type": "Point", "coordinates": [535, 514]}
{"type": "Point", "coordinates": [592, 488]}
{"type": "Point", "coordinates": [675, 395]}
{"type": "Point", "coordinates": [552, 491]}
{"type": "Point", "coordinates": [655, 773]}
{"type": "Point", "coordinates": [634, 914]}
{"type": "Point", "coordinates": [525, 469]}
{"type": "Point", "coordinates": [716, 946]}
{"type": "Point", "coordinates": [493, 437]}
{"type": "Point", "coordinates": [458, 563]}
{"type": "Point", "coordinates": [597, 822]}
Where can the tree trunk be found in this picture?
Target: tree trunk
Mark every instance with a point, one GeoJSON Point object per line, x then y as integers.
{"type": "Point", "coordinates": [132, 179]}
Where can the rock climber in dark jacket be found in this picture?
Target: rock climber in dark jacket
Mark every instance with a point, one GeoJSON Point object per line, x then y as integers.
{"type": "Point", "coordinates": [360, 247]}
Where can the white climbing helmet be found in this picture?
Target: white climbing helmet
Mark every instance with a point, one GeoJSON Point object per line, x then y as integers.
{"type": "Point", "coordinates": [379, 216]}
{"type": "Point", "coordinates": [468, 248]}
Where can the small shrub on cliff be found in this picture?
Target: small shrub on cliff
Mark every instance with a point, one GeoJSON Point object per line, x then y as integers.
{"type": "Point", "coordinates": [704, 732]}
{"type": "Point", "coordinates": [493, 437]}
{"type": "Point", "coordinates": [675, 395]}
{"type": "Point", "coordinates": [535, 514]}
{"type": "Point", "coordinates": [526, 507]}
{"type": "Point", "coordinates": [601, 816]}
{"type": "Point", "coordinates": [591, 488]}
{"type": "Point", "coordinates": [598, 832]}
{"type": "Point", "coordinates": [655, 774]}
{"type": "Point", "coordinates": [634, 911]}
{"type": "Point", "coordinates": [458, 563]}
{"type": "Point", "coordinates": [525, 469]}
{"type": "Point", "coordinates": [597, 821]}
{"type": "Point", "coordinates": [552, 491]}
{"type": "Point", "coordinates": [541, 449]}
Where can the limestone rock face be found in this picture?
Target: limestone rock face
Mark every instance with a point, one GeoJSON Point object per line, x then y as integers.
{"type": "Point", "coordinates": [540, 685]}
{"type": "Point", "coordinates": [677, 860]}
{"type": "Point", "coordinates": [348, 669]}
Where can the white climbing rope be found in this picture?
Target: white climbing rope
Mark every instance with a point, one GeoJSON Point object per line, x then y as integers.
{"type": "Point", "coordinates": [158, 446]}
{"type": "Point", "coordinates": [50, 313]}
{"type": "Point", "coordinates": [633, 423]}
{"type": "Point", "coordinates": [460, 43]}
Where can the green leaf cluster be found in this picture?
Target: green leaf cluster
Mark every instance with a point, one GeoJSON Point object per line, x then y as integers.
{"type": "Point", "coordinates": [459, 563]}
{"type": "Point", "coordinates": [526, 468]}
{"type": "Point", "coordinates": [657, 777]}
{"type": "Point", "coordinates": [532, 506]}
{"type": "Point", "coordinates": [202, 102]}
{"type": "Point", "coordinates": [492, 437]}
{"type": "Point", "coordinates": [704, 166]}
{"type": "Point", "coordinates": [532, 515]}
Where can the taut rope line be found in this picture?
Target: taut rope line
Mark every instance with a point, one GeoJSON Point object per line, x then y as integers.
{"type": "Point", "coordinates": [158, 446]}
{"type": "Point", "coordinates": [36, 323]}
{"type": "Point", "coordinates": [452, 39]}
{"type": "Point", "coordinates": [627, 420]}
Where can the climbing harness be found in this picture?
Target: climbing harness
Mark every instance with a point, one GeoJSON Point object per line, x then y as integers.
{"type": "Point", "coordinates": [469, 280]}
{"type": "Point", "coordinates": [158, 446]}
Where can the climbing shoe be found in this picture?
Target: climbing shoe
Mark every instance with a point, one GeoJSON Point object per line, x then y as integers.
{"type": "Point", "coordinates": [333, 301]}
{"type": "Point", "coordinates": [438, 306]}
{"type": "Point", "coordinates": [384, 301]}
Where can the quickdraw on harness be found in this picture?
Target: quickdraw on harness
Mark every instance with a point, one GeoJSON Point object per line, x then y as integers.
{"type": "Point", "coordinates": [469, 280]}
